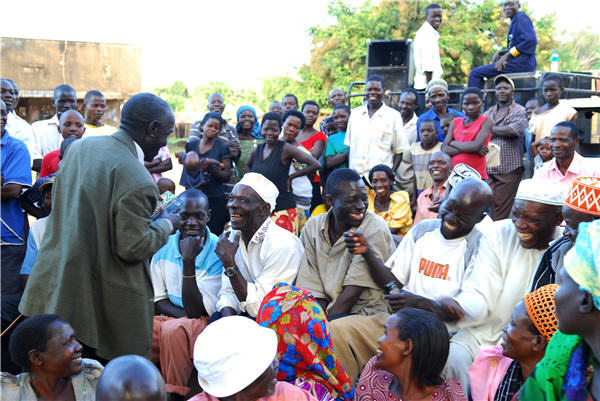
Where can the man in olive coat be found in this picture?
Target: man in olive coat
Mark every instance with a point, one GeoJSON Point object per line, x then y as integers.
{"type": "Point", "coordinates": [91, 268]}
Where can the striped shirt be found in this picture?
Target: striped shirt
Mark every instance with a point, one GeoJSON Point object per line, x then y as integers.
{"type": "Point", "coordinates": [511, 149]}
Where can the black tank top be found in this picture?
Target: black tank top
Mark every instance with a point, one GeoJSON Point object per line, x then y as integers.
{"type": "Point", "coordinates": [277, 172]}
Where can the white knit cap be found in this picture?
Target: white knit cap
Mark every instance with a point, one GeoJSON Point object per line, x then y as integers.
{"type": "Point", "coordinates": [263, 187]}
{"type": "Point", "coordinates": [231, 353]}
{"type": "Point", "coordinates": [543, 191]}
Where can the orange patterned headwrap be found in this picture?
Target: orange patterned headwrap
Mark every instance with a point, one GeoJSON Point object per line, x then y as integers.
{"type": "Point", "coordinates": [540, 308]}
{"type": "Point", "coordinates": [584, 195]}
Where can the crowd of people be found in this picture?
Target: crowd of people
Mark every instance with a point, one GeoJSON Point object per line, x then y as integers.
{"type": "Point", "coordinates": [373, 254]}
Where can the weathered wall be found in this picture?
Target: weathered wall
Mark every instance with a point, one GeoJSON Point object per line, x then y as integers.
{"type": "Point", "coordinates": [38, 66]}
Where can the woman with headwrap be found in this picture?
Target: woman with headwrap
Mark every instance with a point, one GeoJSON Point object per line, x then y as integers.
{"type": "Point", "coordinates": [499, 371]}
{"type": "Point", "coordinates": [570, 369]}
{"type": "Point", "coordinates": [304, 349]}
{"type": "Point", "coordinates": [248, 130]}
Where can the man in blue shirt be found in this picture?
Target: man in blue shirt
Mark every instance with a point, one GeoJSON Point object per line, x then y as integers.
{"type": "Point", "coordinates": [437, 90]}
{"type": "Point", "coordinates": [16, 174]}
{"type": "Point", "coordinates": [186, 278]}
{"type": "Point", "coordinates": [520, 56]}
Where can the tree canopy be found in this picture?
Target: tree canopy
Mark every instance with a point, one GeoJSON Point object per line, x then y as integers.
{"type": "Point", "coordinates": [471, 32]}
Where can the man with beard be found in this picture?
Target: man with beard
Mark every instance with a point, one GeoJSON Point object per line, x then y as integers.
{"type": "Point", "coordinates": [256, 254]}
{"type": "Point", "coordinates": [508, 255]}
{"type": "Point", "coordinates": [336, 97]}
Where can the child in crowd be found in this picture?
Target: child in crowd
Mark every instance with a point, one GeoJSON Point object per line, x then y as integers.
{"type": "Point", "coordinates": [421, 152]}
{"type": "Point", "coordinates": [445, 122]}
{"type": "Point", "coordinates": [554, 111]}
{"type": "Point", "coordinates": [531, 105]}
{"type": "Point", "coordinates": [336, 153]}
{"type": "Point", "coordinates": [543, 153]}
{"type": "Point", "coordinates": [293, 122]}
{"type": "Point", "coordinates": [71, 125]}
{"type": "Point", "coordinates": [469, 136]}
{"type": "Point", "coordinates": [164, 185]}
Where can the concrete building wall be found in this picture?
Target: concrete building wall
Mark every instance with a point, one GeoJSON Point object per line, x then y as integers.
{"type": "Point", "coordinates": [38, 66]}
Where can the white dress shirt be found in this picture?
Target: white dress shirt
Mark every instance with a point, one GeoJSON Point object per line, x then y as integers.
{"type": "Point", "coordinates": [427, 55]}
{"type": "Point", "coordinates": [374, 140]}
{"type": "Point", "coordinates": [272, 255]}
{"type": "Point", "coordinates": [47, 137]}
{"type": "Point", "coordinates": [21, 129]}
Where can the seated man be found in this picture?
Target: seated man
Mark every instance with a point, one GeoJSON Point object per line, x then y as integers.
{"type": "Point", "coordinates": [430, 262]}
{"type": "Point", "coordinates": [508, 256]}
{"type": "Point", "coordinates": [186, 277]}
{"type": "Point", "coordinates": [567, 163]}
{"type": "Point", "coordinates": [339, 280]}
{"type": "Point", "coordinates": [256, 254]}
{"type": "Point", "coordinates": [581, 205]}
{"type": "Point", "coordinates": [519, 55]}
{"type": "Point", "coordinates": [439, 166]}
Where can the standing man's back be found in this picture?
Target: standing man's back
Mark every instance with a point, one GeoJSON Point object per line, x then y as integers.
{"type": "Point", "coordinates": [426, 50]}
{"type": "Point", "coordinates": [91, 268]}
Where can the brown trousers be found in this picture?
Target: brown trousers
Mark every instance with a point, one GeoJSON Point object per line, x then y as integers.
{"type": "Point", "coordinates": [504, 187]}
{"type": "Point", "coordinates": [173, 345]}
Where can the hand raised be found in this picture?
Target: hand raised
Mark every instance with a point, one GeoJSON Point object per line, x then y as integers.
{"type": "Point", "coordinates": [226, 249]}
{"type": "Point", "coordinates": [356, 242]}
{"type": "Point", "coordinates": [190, 247]}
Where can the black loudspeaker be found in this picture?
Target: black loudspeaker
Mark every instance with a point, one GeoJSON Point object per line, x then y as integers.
{"type": "Point", "coordinates": [392, 60]}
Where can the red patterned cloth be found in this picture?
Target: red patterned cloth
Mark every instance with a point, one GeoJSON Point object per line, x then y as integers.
{"type": "Point", "coordinates": [374, 385]}
{"type": "Point", "coordinates": [287, 219]}
{"type": "Point", "coordinates": [304, 349]}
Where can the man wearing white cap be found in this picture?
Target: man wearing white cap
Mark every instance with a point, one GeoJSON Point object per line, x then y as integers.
{"type": "Point", "coordinates": [256, 253]}
{"type": "Point", "coordinates": [508, 256]}
{"type": "Point", "coordinates": [236, 359]}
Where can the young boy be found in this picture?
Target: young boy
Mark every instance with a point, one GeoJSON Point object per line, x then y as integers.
{"type": "Point", "coordinates": [422, 151]}
{"type": "Point", "coordinates": [445, 122]}
{"type": "Point", "coordinates": [71, 125]}
{"type": "Point", "coordinates": [542, 152]}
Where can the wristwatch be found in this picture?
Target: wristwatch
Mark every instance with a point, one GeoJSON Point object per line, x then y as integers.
{"type": "Point", "coordinates": [231, 271]}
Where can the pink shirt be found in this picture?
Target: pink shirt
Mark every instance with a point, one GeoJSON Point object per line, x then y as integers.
{"type": "Point", "coordinates": [579, 167]}
{"type": "Point", "coordinates": [425, 201]}
{"type": "Point", "coordinates": [283, 392]}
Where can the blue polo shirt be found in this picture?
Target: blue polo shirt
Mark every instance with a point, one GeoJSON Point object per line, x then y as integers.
{"type": "Point", "coordinates": [166, 272]}
{"type": "Point", "coordinates": [16, 169]}
{"type": "Point", "coordinates": [431, 114]}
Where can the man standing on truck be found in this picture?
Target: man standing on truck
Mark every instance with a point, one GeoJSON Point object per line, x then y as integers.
{"type": "Point", "coordinates": [426, 51]}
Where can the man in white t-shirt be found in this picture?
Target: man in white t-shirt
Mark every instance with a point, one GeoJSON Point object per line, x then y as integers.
{"type": "Point", "coordinates": [429, 265]}
{"type": "Point", "coordinates": [426, 51]}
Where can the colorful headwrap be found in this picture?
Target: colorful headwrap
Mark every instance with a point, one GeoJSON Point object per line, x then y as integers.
{"type": "Point", "coordinates": [584, 195]}
{"type": "Point", "coordinates": [305, 349]}
{"type": "Point", "coordinates": [583, 260]}
{"type": "Point", "coordinates": [540, 308]}
{"type": "Point", "coordinates": [255, 127]}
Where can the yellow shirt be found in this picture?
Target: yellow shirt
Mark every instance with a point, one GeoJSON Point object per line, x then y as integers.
{"type": "Point", "coordinates": [399, 214]}
{"type": "Point", "coordinates": [105, 129]}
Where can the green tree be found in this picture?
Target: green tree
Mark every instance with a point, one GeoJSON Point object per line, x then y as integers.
{"type": "Point", "coordinates": [275, 88]}
{"type": "Point", "coordinates": [470, 34]}
{"type": "Point", "coordinates": [580, 52]}
{"type": "Point", "coordinates": [176, 95]}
